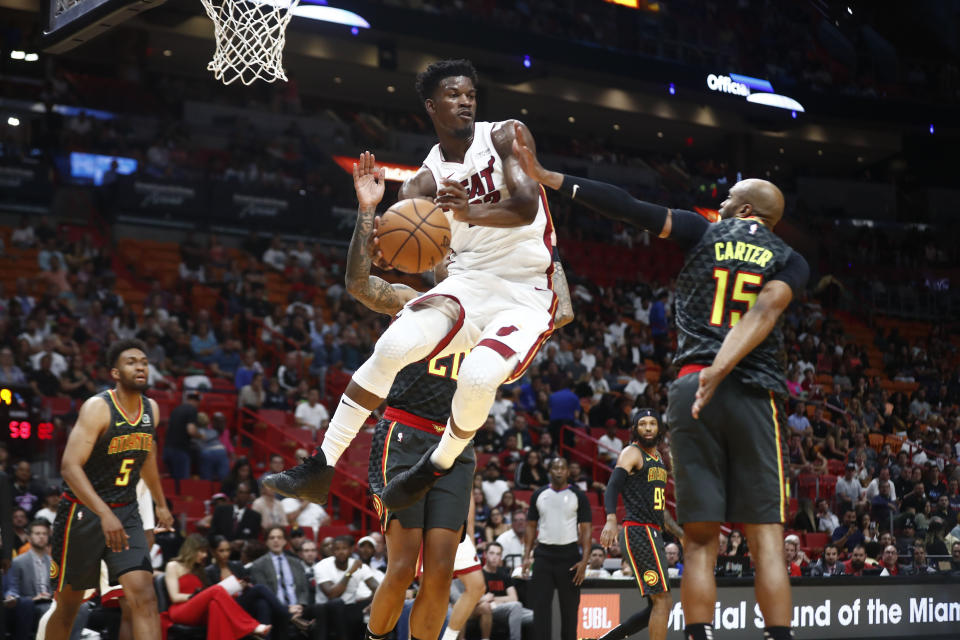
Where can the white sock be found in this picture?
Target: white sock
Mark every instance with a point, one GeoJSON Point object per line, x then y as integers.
{"type": "Point", "coordinates": [450, 634]}
{"type": "Point", "coordinates": [346, 422]}
{"type": "Point", "coordinates": [449, 449]}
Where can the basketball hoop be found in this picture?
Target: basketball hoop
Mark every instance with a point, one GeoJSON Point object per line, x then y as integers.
{"type": "Point", "coordinates": [250, 36]}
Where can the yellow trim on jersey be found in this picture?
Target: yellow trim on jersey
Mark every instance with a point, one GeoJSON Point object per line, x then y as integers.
{"type": "Point", "coordinates": [633, 563]}
{"type": "Point", "coordinates": [776, 430]}
{"type": "Point", "coordinates": [383, 470]}
{"type": "Point", "coordinates": [656, 556]}
{"type": "Point", "coordinates": [132, 423]}
{"type": "Point", "coordinates": [66, 543]}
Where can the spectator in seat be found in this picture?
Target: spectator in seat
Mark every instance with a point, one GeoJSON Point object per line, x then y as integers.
{"type": "Point", "coordinates": [238, 521]}
{"type": "Point", "coordinates": [227, 359]}
{"type": "Point", "coordinates": [304, 513]}
{"type": "Point", "coordinates": [889, 561]}
{"type": "Point", "coordinates": [511, 542]}
{"type": "Point", "coordinates": [275, 256]}
{"type": "Point", "coordinates": [848, 488]}
{"type": "Point", "coordinates": [312, 414]}
{"type": "Point", "coordinates": [288, 375]}
{"type": "Point", "coordinates": [883, 475]}
{"type": "Point", "coordinates": [531, 474]}
{"type": "Point", "coordinates": [595, 563]}
{"type": "Point", "coordinates": [29, 590]}
{"type": "Point", "coordinates": [510, 505]}
{"type": "Point", "coordinates": [285, 577]}
{"type": "Point", "coordinates": [10, 373]}
{"type": "Point", "coordinates": [674, 566]}
{"type": "Point", "coordinates": [214, 460]}
{"type": "Point", "coordinates": [58, 363]}
{"type": "Point", "coordinates": [203, 342]}
{"type": "Point", "coordinates": [338, 579]}
{"type": "Point", "coordinates": [521, 430]}
{"type": "Point", "coordinates": [241, 472]}
{"type": "Point", "coordinates": [44, 382]}
{"type": "Point", "coordinates": [848, 535]}
{"type": "Point", "coordinates": [829, 564]}
{"type": "Point", "coordinates": [882, 507]}
{"type": "Point", "coordinates": [500, 602]}
{"type": "Point", "coordinates": [493, 485]}
{"type": "Point", "coordinates": [182, 431]}
{"type": "Point", "coordinates": [487, 439]}
{"type": "Point", "coordinates": [194, 601]}
{"type": "Point", "coordinates": [609, 445]}
{"type": "Point", "coordinates": [827, 520]}
{"type": "Point", "coordinates": [798, 420]}
{"type": "Point", "coordinates": [253, 396]}
{"type": "Point", "coordinates": [248, 368]}
{"type": "Point", "coordinates": [790, 549]}
{"type": "Point", "coordinates": [955, 557]}
{"type": "Point", "coordinates": [857, 562]}
{"type": "Point", "coordinates": [51, 500]}
{"type": "Point", "coordinates": [625, 572]}
{"type": "Point", "coordinates": [919, 565]}
{"type": "Point", "coordinates": [27, 493]}
{"type": "Point", "coordinates": [269, 507]}
{"type": "Point", "coordinates": [496, 525]}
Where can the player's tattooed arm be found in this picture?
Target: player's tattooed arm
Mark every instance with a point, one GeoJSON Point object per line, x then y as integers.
{"type": "Point", "coordinates": [519, 210]}
{"type": "Point", "coordinates": [564, 313]}
{"type": "Point", "coordinates": [375, 293]}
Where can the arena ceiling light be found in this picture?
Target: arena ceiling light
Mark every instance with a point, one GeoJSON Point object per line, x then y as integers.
{"type": "Point", "coordinates": [775, 100]}
{"type": "Point", "coordinates": [318, 10]}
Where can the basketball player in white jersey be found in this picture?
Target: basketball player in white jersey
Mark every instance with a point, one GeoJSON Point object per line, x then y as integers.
{"type": "Point", "coordinates": [495, 303]}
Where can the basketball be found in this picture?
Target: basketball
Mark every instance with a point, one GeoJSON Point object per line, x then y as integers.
{"type": "Point", "coordinates": [414, 235]}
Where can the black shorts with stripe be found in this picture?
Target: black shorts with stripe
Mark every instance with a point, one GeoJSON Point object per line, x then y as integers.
{"type": "Point", "coordinates": [396, 447]}
{"type": "Point", "coordinates": [643, 544]}
{"type": "Point", "coordinates": [729, 466]}
{"type": "Point", "coordinates": [78, 546]}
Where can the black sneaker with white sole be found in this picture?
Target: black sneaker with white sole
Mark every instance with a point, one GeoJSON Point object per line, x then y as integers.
{"type": "Point", "coordinates": [309, 480]}
{"type": "Point", "coordinates": [407, 487]}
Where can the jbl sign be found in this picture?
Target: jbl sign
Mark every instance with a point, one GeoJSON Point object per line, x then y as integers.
{"type": "Point", "coordinates": [598, 614]}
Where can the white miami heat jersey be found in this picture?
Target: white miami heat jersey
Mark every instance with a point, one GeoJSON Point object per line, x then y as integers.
{"type": "Point", "coordinates": [518, 254]}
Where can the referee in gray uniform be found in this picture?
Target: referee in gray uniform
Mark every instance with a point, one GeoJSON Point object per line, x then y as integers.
{"type": "Point", "coordinates": [559, 519]}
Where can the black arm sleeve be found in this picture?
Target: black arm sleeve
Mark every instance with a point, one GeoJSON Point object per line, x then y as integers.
{"type": "Point", "coordinates": [613, 202]}
{"type": "Point", "coordinates": [795, 273]}
{"type": "Point", "coordinates": [614, 487]}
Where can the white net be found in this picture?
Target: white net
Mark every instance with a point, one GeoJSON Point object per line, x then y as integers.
{"type": "Point", "coordinates": [250, 35]}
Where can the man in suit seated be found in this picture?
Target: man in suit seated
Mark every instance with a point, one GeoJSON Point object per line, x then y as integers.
{"type": "Point", "coordinates": [236, 522]}
{"type": "Point", "coordinates": [286, 577]}
{"type": "Point", "coordinates": [29, 592]}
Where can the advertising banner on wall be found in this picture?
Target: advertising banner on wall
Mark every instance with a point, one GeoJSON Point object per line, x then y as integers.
{"type": "Point", "coordinates": [832, 608]}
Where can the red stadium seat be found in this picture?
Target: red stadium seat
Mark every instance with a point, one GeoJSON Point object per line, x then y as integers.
{"type": "Point", "coordinates": [807, 486]}
{"type": "Point", "coordinates": [817, 540]}
{"type": "Point", "coordinates": [828, 487]}
{"type": "Point", "coordinates": [836, 467]}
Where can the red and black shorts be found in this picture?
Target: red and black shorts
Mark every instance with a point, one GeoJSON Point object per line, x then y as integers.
{"type": "Point", "coordinates": [643, 544]}
{"type": "Point", "coordinates": [399, 441]}
{"type": "Point", "coordinates": [78, 546]}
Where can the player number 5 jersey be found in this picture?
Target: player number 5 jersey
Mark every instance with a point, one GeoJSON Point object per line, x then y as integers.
{"type": "Point", "coordinates": [519, 254]}
{"type": "Point", "coordinates": [113, 467]}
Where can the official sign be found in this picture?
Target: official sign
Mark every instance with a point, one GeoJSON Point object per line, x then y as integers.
{"type": "Point", "coordinates": [844, 607]}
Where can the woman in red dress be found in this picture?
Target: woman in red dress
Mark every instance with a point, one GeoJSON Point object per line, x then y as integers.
{"type": "Point", "coordinates": [194, 602]}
